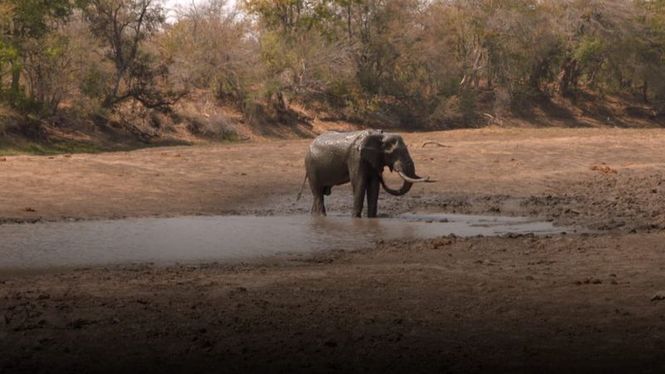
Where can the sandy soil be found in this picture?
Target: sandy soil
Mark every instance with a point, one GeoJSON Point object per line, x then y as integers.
{"type": "Point", "coordinates": [586, 303]}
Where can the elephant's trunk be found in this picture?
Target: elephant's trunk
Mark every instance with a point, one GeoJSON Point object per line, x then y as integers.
{"type": "Point", "coordinates": [406, 186]}
{"type": "Point", "coordinates": [407, 172]}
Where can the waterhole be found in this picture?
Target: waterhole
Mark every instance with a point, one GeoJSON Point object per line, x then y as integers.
{"type": "Point", "coordinates": [227, 238]}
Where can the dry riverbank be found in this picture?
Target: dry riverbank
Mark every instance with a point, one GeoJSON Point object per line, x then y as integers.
{"type": "Point", "coordinates": [585, 303]}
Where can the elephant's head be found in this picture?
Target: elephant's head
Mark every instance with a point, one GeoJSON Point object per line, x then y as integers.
{"type": "Point", "coordinates": [384, 149]}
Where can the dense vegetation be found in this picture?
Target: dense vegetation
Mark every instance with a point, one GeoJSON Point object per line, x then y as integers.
{"type": "Point", "coordinates": [419, 63]}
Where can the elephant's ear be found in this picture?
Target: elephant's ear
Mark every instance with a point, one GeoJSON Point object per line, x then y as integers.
{"type": "Point", "coordinates": [371, 150]}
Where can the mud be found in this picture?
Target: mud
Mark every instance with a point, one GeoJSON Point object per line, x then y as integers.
{"type": "Point", "coordinates": [597, 178]}
{"type": "Point", "coordinates": [579, 302]}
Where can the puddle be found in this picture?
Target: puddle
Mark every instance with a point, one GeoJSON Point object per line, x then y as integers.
{"type": "Point", "coordinates": [227, 238]}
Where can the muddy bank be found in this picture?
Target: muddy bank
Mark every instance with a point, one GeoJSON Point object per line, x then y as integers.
{"type": "Point", "coordinates": [567, 303]}
{"type": "Point", "coordinates": [598, 178]}
{"type": "Point", "coordinates": [521, 303]}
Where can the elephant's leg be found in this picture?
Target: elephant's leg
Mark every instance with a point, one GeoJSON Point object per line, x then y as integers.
{"type": "Point", "coordinates": [318, 209]}
{"type": "Point", "coordinates": [372, 196]}
{"type": "Point", "coordinates": [359, 188]}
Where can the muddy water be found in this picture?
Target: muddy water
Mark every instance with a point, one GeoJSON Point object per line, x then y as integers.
{"type": "Point", "coordinates": [226, 238]}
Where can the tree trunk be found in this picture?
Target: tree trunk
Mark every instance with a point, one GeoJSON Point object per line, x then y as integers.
{"type": "Point", "coordinates": [568, 77]}
{"type": "Point", "coordinates": [111, 97]}
{"type": "Point", "coordinates": [16, 77]}
{"type": "Point", "coordinates": [348, 20]}
{"type": "Point", "coordinates": [536, 74]}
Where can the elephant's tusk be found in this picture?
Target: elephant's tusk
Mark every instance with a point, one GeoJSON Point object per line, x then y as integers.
{"type": "Point", "coordinates": [413, 180]}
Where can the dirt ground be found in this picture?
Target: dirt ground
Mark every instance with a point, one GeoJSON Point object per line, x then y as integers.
{"type": "Point", "coordinates": [564, 303]}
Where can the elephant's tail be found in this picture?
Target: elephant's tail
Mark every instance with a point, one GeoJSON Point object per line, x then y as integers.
{"type": "Point", "coordinates": [302, 187]}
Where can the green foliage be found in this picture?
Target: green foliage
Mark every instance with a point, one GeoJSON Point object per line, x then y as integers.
{"type": "Point", "coordinates": [94, 82]}
{"type": "Point", "coordinates": [589, 50]}
{"type": "Point", "coordinates": [24, 22]}
{"type": "Point", "coordinates": [416, 63]}
{"type": "Point", "coordinates": [33, 18]}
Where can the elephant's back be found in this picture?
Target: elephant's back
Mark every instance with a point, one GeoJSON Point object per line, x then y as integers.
{"type": "Point", "coordinates": [332, 146]}
{"type": "Point", "coordinates": [335, 139]}
{"type": "Point", "coordinates": [327, 156]}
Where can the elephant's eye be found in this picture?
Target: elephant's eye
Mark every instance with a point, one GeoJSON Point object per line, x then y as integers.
{"type": "Point", "coordinates": [391, 147]}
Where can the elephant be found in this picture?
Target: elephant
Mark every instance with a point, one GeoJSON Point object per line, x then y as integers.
{"type": "Point", "coordinates": [359, 157]}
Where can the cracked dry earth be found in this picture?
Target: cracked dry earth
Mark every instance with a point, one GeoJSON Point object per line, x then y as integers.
{"type": "Point", "coordinates": [519, 303]}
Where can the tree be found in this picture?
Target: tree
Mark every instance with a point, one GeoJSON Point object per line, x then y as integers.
{"type": "Point", "coordinates": [211, 48]}
{"type": "Point", "coordinates": [23, 21]}
{"type": "Point", "coordinates": [124, 26]}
